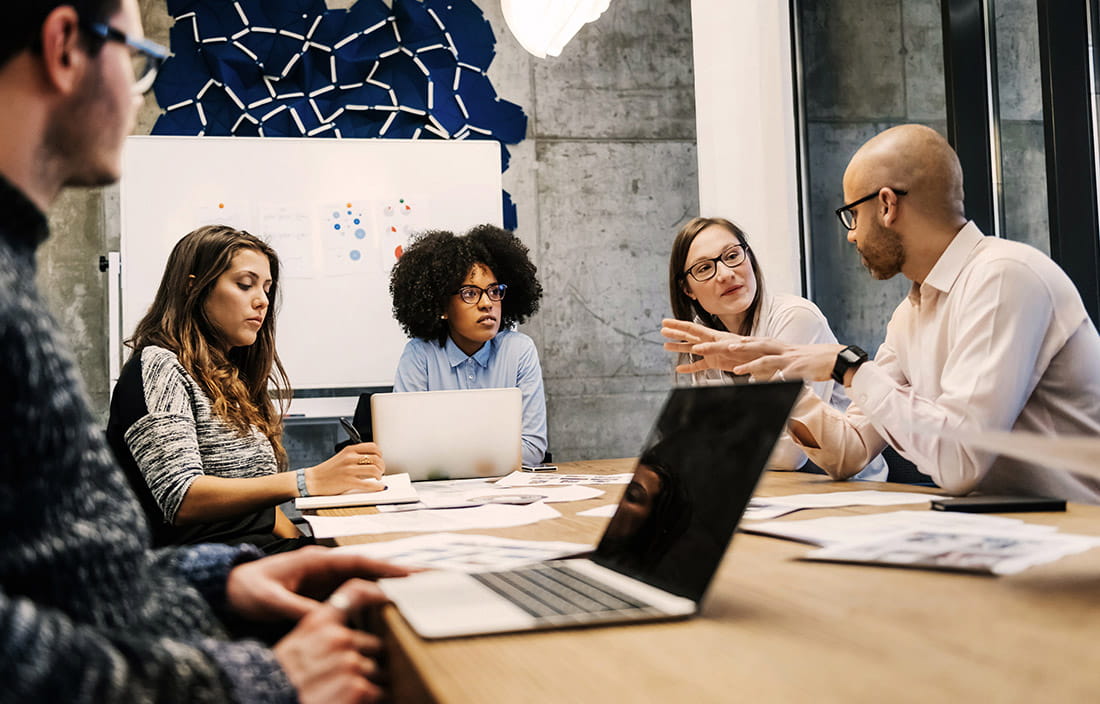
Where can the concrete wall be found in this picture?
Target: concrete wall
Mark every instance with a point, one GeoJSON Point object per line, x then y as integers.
{"type": "Point", "coordinates": [872, 64]}
{"type": "Point", "coordinates": [602, 182]}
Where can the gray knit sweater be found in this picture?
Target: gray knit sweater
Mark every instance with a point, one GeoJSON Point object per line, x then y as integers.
{"type": "Point", "coordinates": [88, 613]}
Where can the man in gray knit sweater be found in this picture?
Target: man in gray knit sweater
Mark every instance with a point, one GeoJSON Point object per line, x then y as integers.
{"type": "Point", "coordinates": [88, 613]}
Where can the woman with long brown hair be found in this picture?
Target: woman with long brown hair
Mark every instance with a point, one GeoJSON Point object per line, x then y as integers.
{"type": "Point", "coordinates": [194, 420]}
{"type": "Point", "coordinates": [715, 281]}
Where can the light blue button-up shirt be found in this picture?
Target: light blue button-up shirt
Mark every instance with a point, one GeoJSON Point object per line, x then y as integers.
{"type": "Point", "coordinates": [508, 360]}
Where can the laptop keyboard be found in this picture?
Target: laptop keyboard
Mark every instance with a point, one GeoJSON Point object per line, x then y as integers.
{"type": "Point", "coordinates": [559, 594]}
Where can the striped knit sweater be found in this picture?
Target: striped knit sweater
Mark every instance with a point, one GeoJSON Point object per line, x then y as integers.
{"type": "Point", "coordinates": [88, 612]}
{"type": "Point", "coordinates": [165, 434]}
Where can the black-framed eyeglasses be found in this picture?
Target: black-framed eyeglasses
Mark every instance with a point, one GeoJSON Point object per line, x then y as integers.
{"type": "Point", "coordinates": [146, 55]}
{"type": "Point", "coordinates": [847, 215]}
{"type": "Point", "coordinates": [471, 295]}
{"type": "Point", "coordinates": [705, 269]}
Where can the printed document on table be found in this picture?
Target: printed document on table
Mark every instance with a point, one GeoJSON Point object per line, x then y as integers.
{"type": "Point", "coordinates": [478, 493]}
{"type": "Point", "coordinates": [549, 479]}
{"type": "Point", "coordinates": [843, 530]}
{"type": "Point", "coordinates": [765, 507]}
{"type": "Point", "coordinates": [398, 490]}
{"type": "Point", "coordinates": [432, 520]}
{"type": "Point", "coordinates": [979, 551]}
{"type": "Point", "coordinates": [466, 553]}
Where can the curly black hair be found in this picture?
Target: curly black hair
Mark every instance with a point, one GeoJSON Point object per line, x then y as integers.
{"type": "Point", "coordinates": [437, 262]}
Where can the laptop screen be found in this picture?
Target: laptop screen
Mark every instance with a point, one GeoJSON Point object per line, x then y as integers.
{"type": "Point", "coordinates": [692, 482]}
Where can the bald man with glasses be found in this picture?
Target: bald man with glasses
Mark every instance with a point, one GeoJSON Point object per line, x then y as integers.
{"type": "Point", "coordinates": [992, 336]}
{"type": "Point", "coordinates": [88, 612]}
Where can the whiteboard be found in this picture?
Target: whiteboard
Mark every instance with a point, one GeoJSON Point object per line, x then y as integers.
{"type": "Point", "coordinates": [335, 210]}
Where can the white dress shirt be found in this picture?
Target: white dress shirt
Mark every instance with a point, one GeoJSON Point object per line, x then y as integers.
{"type": "Point", "coordinates": [995, 338]}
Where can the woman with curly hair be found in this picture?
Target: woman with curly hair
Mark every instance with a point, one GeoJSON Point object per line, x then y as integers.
{"type": "Point", "coordinates": [449, 296]}
{"type": "Point", "coordinates": [193, 421]}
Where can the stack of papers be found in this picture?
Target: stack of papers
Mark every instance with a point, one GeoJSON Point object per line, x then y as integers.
{"type": "Point", "coordinates": [398, 489]}
{"type": "Point", "coordinates": [432, 520]}
{"type": "Point", "coordinates": [458, 504]}
{"type": "Point", "coordinates": [765, 507]}
{"type": "Point", "coordinates": [467, 493]}
{"type": "Point", "coordinates": [960, 542]}
{"type": "Point", "coordinates": [551, 479]}
{"type": "Point", "coordinates": [466, 553]}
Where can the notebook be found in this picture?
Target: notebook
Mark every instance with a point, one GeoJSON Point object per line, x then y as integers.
{"type": "Point", "coordinates": [394, 489]}
{"type": "Point", "coordinates": [663, 545]}
{"type": "Point", "coordinates": [449, 434]}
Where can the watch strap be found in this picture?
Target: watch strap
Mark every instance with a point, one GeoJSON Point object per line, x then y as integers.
{"type": "Point", "coordinates": [851, 357]}
{"type": "Point", "coordinates": [301, 477]}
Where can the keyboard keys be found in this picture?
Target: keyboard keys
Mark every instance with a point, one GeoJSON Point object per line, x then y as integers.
{"type": "Point", "coordinates": [550, 592]}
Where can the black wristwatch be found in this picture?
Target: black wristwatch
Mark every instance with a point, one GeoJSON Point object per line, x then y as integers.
{"type": "Point", "coordinates": [848, 358]}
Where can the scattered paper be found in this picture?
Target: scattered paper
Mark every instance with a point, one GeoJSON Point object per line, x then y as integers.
{"type": "Point", "coordinates": [981, 552]}
{"type": "Point", "coordinates": [431, 520]}
{"type": "Point", "coordinates": [846, 530]}
{"type": "Point", "coordinates": [534, 479]}
{"type": "Point", "coordinates": [605, 511]}
{"type": "Point", "coordinates": [398, 489]}
{"type": "Point", "coordinates": [949, 541]}
{"type": "Point", "coordinates": [765, 507]}
{"type": "Point", "coordinates": [466, 553]}
{"type": "Point", "coordinates": [469, 496]}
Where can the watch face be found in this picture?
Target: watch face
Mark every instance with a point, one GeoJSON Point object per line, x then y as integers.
{"type": "Point", "coordinates": [853, 354]}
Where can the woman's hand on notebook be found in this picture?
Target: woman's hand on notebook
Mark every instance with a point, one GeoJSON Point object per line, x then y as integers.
{"type": "Point", "coordinates": [356, 468]}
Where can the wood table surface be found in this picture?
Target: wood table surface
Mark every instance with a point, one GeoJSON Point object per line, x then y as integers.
{"type": "Point", "coordinates": [776, 629]}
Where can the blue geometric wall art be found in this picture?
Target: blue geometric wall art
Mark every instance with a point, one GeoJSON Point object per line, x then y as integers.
{"type": "Point", "coordinates": [294, 68]}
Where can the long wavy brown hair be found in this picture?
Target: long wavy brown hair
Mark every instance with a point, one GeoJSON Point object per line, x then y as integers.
{"type": "Point", "coordinates": [684, 307]}
{"type": "Point", "coordinates": [244, 383]}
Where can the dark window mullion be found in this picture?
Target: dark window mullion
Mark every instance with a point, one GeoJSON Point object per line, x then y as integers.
{"type": "Point", "coordinates": [1070, 151]}
{"type": "Point", "coordinates": [972, 106]}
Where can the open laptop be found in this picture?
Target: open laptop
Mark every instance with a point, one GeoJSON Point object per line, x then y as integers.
{"type": "Point", "coordinates": [449, 434]}
{"type": "Point", "coordinates": [661, 549]}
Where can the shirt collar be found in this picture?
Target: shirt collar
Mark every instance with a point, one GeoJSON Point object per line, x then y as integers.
{"type": "Point", "coordinates": [951, 263]}
{"type": "Point", "coordinates": [456, 356]}
{"type": "Point", "coordinates": [23, 222]}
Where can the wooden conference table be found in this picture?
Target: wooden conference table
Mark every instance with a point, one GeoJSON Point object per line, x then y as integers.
{"type": "Point", "coordinates": [775, 629]}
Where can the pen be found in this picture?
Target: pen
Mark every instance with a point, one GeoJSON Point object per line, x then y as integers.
{"type": "Point", "coordinates": [352, 432]}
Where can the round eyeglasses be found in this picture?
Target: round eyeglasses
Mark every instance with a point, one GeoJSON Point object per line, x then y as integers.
{"type": "Point", "coordinates": [472, 294]}
{"type": "Point", "coordinates": [705, 269]}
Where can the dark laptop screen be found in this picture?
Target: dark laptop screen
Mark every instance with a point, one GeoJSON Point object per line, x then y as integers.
{"type": "Point", "coordinates": [692, 482]}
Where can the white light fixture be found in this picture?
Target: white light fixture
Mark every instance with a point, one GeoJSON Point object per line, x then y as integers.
{"type": "Point", "coordinates": [545, 26]}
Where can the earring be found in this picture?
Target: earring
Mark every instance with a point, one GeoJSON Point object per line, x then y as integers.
{"type": "Point", "coordinates": [443, 316]}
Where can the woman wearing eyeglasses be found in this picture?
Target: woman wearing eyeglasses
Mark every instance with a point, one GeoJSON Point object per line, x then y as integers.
{"type": "Point", "coordinates": [458, 299]}
{"type": "Point", "coordinates": [715, 281]}
{"type": "Point", "coordinates": [193, 420]}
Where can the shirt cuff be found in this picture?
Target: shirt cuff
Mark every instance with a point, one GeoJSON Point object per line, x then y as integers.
{"type": "Point", "coordinates": [870, 387]}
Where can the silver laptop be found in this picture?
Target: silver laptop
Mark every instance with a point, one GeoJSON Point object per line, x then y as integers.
{"type": "Point", "coordinates": [662, 547]}
{"type": "Point", "coordinates": [449, 434]}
